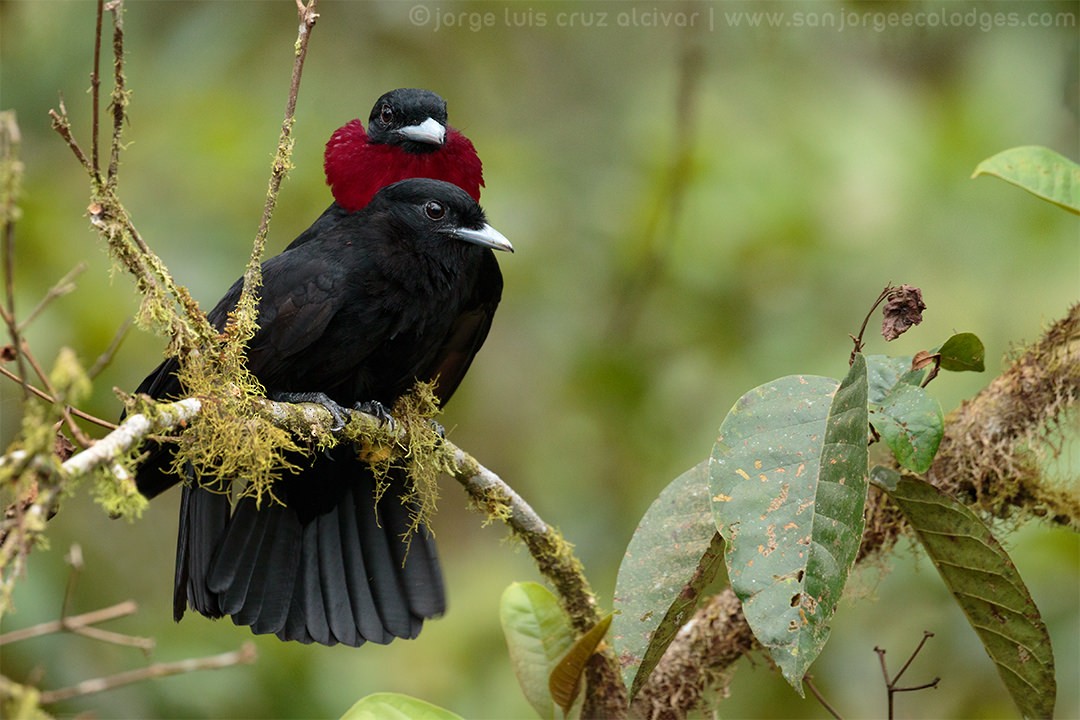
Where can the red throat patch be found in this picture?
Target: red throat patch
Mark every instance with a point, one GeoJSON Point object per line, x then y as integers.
{"type": "Point", "coordinates": [356, 169]}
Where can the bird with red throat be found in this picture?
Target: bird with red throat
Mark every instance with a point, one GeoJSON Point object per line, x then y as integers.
{"type": "Point", "coordinates": [408, 136]}
{"type": "Point", "coordinates": [395, 282]}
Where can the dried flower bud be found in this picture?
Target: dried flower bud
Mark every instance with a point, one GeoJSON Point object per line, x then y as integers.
{"type": "Point", "coordinates": [902, 310]}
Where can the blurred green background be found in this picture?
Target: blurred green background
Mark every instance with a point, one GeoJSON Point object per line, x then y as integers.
{"type": "Point", "coordinates": [695, 210]}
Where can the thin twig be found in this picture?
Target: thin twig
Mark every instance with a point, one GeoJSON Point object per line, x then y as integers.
{"type": "Point", "coordinates": [10, 140]}
{"type": "Point", "coordinates": [858, 339]}
{"type": "Point", "coordinates": [112, 221]}
{"type": "Point", "coordinates": [65, 410]}
{"type": "Point", "coordinates": [247, 305]}
{"type": "Point", "coordinates": [244, 656]}
{"type": "Point", "coordinates": [49, 398]}
{"type": "Point", "coordinates": [926, 636]}
{"type": "Point", "coordinates": [95, 90]}
{"type": "Point", "coordinates": [62, 287]}
{"type": "Point", "coordinates": [62, 125]}
{"type": "Point", "coordinates": [891, 686]}
{"type": "Point", "coordinates": [106, 357]}
{"type": "Point", "coordinates": [821, 698]}
{"type": "Point", "coordinates": [128, 607]}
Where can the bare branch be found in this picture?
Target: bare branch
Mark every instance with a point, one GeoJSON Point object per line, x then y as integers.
{"type": "Point", "coordinates": [244, 656]}
{"type": "Point", "coordinates": [821, 698]}
{"type": "Point", "coordinates": [106, 357]}
{"type": "Point", "coordinates": [62, 125]}
{"type": "Point", "coordinates": [73, 623]}
{"type": "Point", "coordinates": [10, 182]}
{"type": "Point", "coordinates": [63, 286]}
{"type": "Point", "coordinates": [49, 398]}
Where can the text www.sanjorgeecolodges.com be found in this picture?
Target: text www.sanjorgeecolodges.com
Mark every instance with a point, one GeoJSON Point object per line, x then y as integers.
{"type": "Point", "coordinates": [713, 17]}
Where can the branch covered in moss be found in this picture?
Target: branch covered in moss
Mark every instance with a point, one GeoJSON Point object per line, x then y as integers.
{"type": "Point", "coordinates": [989, 458]}
{"type": "Point", "coordinates": [243, 326]}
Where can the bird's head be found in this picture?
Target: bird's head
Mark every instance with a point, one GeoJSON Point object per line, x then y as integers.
{"type": "Point", "coordinates": [439, 211]}
{"type": "Point", "coordinates": [410, 118]}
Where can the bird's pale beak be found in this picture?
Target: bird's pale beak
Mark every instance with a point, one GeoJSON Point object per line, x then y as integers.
{"type": "Point", "coordinates": [486, 236]}
{"type": "Point", "coordinates": [430, 132]}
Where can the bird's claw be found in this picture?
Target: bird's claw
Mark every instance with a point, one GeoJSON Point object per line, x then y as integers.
{"type": "Point", "coordinates": [336, 411]}
{"type": "Point", "coordinates": [378, 410]}
{"type": "Point", "coordinates": [438, 428]}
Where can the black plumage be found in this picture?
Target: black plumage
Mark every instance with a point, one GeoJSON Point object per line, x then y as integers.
{"type": "Point", "coordinates": [369, 303]}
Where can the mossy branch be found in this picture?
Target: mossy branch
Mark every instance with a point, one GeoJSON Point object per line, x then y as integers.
{"type": "Point", "coordinates": [166, 306]}
{"type": "Point", "coordinates": [989, 458]}
{"type": "Point", "coordinates": [242, 327]}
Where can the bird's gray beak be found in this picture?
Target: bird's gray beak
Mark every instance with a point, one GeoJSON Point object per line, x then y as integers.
{"type": "Point", "coordinates": [486, 236]}
{"type": "Point", "coordinates": [430, 132]}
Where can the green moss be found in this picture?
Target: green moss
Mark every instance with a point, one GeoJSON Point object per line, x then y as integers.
{"type": "Point", "coordinates": [411, 444]}
{"type": "Point", "coordinates": [231, 437]}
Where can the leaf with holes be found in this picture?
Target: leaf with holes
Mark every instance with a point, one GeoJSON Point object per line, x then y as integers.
{"type": "Point", "coordinates": [986, 585]}
{"type": "Point", "coordinates": [788, 481]}
{"type": "Point", "coordinates": [673, 555]}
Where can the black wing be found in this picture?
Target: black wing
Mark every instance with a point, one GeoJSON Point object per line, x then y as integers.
{"type": "Point", "coordinates": [469, 330]}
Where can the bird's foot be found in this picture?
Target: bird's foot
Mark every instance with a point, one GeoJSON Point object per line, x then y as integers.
{"type": "Point", "coordinates": [339, 413]}
{"type": "Point", "coordinates": [377, 409]}
{"type": "Point", "coordinates": [438, 428]}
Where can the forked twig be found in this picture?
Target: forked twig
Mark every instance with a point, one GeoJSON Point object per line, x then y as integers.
{"type": "Point", "coordinates": [891, 685]}
{"type": "Point", "coordinates": [73, 622]}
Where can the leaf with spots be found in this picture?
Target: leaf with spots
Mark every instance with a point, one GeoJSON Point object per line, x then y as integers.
{"type": "Point", "coordinates": [986, 585]}
{"type": "Point", "coordinates": [673, 556]}
{"type": "Point", "coordinates": [788, 483]}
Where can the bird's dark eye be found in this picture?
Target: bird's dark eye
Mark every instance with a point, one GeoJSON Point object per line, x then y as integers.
{"type": "Point", "coordinates": [434, 210]}
{"type": "Point", "coordinates": [386, 114]}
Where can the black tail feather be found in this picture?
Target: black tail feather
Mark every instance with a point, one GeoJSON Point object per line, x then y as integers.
{"type": "Point", "coordinates": [203, 519]}
{"type": "Point", "coordinates": [336, 572]}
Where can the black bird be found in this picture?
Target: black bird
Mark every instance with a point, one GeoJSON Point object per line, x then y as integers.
{"type": "Point", "coordinates": [403, 290]}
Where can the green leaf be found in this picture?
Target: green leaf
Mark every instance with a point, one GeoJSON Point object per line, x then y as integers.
{"type": "Point", "coordinates": [985, 583]}
{"type": "Point", "coordinates": [789, 487]}
{"type": "Point", "coordinates": [392, 706]}
{"type": "Point", "coordinates": [912, 425]}
{"type": "Point", "coordinates": [538, 633]}
{"type": "Point", "coordinates": [963, 352]}
{"type": "Point", "coordinates": [1041, 171]}
{"type": "Point", "coordinates": [907, 418]}
{"type": "Point", "coordinates": [673, 555]}
{"type": "Point", "coordinates": [884, 372]}
{"type": "Point", "coordinates": [565, 680]}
